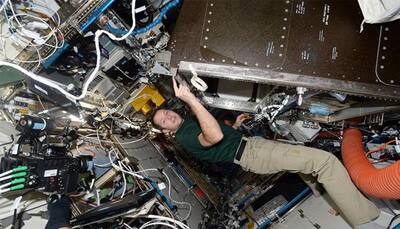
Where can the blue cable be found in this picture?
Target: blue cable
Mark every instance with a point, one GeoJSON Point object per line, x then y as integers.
{"type": "Point", "coordinates": [163, 197]}
{"type": "Point", "coordinates": [145, 29]}
{"type": "Point", "coordinates": [98, 12]}
{"type": "Point", "coordinates": [287, 206]}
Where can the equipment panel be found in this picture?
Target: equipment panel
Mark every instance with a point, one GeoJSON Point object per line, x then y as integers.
{"type": "Point", "coordinates": [315, 38]}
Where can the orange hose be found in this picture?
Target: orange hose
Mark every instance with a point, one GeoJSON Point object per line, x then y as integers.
{"type": "Point", "coordinates": [382, 183]}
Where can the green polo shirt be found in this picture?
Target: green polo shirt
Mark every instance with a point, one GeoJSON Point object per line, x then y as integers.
{"type": "Point", "coordinates": [224, 151]}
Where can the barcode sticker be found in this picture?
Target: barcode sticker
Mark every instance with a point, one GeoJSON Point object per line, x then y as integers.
{"type": "Point", "coordinates": [161, 186]}
{"type": "Point", "coordinates": [50, 173]}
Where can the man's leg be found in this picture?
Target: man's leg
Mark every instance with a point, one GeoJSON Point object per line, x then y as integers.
{"type": "Point", "coordinates": [311, 181]}
{"type": "Point", "coordinates": [265, 156]}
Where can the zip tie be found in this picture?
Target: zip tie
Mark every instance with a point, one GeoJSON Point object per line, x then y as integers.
{"type": "Point", "coordinates": [196, 81]}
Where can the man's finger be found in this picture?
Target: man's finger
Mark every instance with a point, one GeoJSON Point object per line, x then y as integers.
{"type": "Point", "coordinates": [175, 85]}
{"type": "Point", "coordinates": [245, 115]}
{"type": "Point", "coordinates": [186, 89]}
{"type": "Point", "coordinates": [241, 116]}
{"type": "Point", "coordinates": [182, 90]}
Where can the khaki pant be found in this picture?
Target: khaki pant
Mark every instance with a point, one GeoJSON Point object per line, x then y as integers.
{"type": "Point", "coordinates": [264, 156]}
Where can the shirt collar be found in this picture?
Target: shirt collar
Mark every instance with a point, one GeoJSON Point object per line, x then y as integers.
{"type": "Point", "coordinates": [180, 125]}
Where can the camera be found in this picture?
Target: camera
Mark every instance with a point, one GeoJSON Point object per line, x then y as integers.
{"type": "Point", "coordinates": [39, 164]}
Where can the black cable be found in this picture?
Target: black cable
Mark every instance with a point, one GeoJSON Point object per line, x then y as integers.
{"type": "Point", "coordinates": [10, 142]}
{"type": "Point", "coordinates": [392, 220]}
{"type": "Point", "coordinates": [30, 209]}
{"type": "Point", "coordinates": [387, 205]}
{"type": "Point", "coordinates": [15, 215]}
{"type": "Point", "coordinates": [14, 220]}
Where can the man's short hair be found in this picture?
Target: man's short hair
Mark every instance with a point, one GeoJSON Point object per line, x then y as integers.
{"type": "Point", "coordinates": [155, 125]}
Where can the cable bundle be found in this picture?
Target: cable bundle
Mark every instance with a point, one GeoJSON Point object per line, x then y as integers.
{"type": "Point", "coordinates": [93, 75]}
{"type": "Point", "coordinates": [32, 28]}
{"type": "Point", "coordinates": [18, 175]}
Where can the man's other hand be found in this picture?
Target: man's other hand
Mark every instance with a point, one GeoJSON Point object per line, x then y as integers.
{"type": "Point", "coordinates": [183, 93]}
{"type": "Point", "coordinates": [239, 120]}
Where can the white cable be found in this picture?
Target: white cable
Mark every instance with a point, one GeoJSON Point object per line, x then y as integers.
{"type": "Point", "coordinates": [123, 176]}
{"type": "Point", "coordinates": [24, 31]}
{"type": "Point", "coordinates": [13, 12]}
{"type": "Point", "coordinates": [6, 177]}
{"type": "Point", "coordinates": [121, 143]}
{"type": "Point", "coordinates": [167, 209]}
{"type": "Point", "coordinates": [106, 165]}
{"type": "Point", "coordinates": [127, 167]}
{"type": "Point", "coordinates": [131, 173]}
{"type": "Point", "coordinates": [175, 201]}
{"type": "Point", "coordinates": [91, 184]}
{"type": "Point", "coordinates": [98, 197]}
{"type": "Point", "coordinates": [5, 190]}
{"type": "Point", "coordinates": [21, 41]}
{"type": "Point", "coordinates": [5, 185]}
{"type": "Point", "coordinates": [14, 16]}
{"type": "Point", "coordinates": [126, 225]}
{"type": "Point", "coordinates": [130, 169]}
{"type": "Point", "coordinates": [169, 188]}
{"type": "Point", "coordinates": [163, 222]}
{"type": "Point", "coordinates": [179, 223]}
{"type": "Point", "coordinates": [157, 223]}
{"type": "Point", "coordinates": [155, 170]}
{"type": "Point", "coordinates": [145, 95]}
{"type": "Point", "coordinates": [41, 8]}
{"type": "Point", "coordinates": [93, 75]}
{"type": "Point", "coordinates": [118, 168]}
{"type": "Point", "coordinates": [146, 170]}
{"type": "Point", "coordinates": [6, 173]}
{"type": "Point", "coordinates": [4, 4]}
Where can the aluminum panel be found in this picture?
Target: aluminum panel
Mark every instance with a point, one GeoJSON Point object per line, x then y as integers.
{"type": "Point", "coordinates": [308, 37]}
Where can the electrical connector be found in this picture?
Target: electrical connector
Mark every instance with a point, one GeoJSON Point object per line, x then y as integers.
{"type": "Point", "coordinates": [20, 169]}
{"type": "Point", "coordinates": [21, 174]}
{"type": "Point", "coordinates": [17, 187]}
{"type": "Point", "coordinates": [18, 181]}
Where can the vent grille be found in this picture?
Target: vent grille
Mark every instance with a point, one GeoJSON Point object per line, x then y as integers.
{"type": "Point", "coordinates": [95, 82]}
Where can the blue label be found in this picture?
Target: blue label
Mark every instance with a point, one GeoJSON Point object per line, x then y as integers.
{"type": "Point", "coordinates": [39, 126]}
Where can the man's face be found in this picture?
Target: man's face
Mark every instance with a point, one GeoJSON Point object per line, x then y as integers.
{"type": "Point", "coordinates": [167, 120]}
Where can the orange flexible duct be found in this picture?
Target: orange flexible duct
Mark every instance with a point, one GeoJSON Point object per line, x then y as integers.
{"type": "Point", "coordinates": [382, 183]}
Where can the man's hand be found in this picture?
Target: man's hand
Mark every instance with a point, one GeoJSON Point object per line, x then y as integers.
{"type": "Point", "coordinates": [211, 132]}
{"type": "Point", "coordinates": [183, 93]}
{"type": "Point", "coordinates": [239, 120]}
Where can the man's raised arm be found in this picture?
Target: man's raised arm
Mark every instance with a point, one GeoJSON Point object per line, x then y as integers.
{"type": "Point", "coordinates": [211, 131]}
